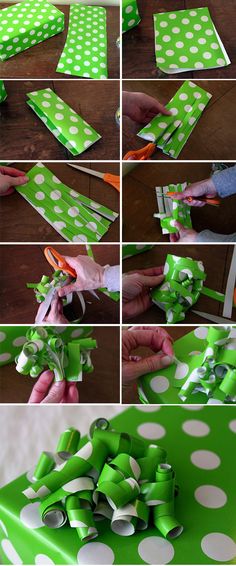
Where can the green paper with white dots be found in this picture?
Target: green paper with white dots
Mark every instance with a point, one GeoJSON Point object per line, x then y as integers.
{"type": "Point", "coordinates": [85, 51]}
{"type": "Point", "coordinates": [130, 15]}
{"type": "Point", "coordinates": [170, 133]}
{"type": "Point", "coordinates": [62, 121]}
{"type": "Point", "coordinates": [3, 92]}
{"type": "Point", "coordinates": [172, 210]}
{"type": "Point", "coordinates": [201, 448]}
{"type": "Point", "coordinates": [27, 23]}
{"type": "Point", "coordinates": [128, 250]}
{"type": "Point", "coordinates": [187, 40]}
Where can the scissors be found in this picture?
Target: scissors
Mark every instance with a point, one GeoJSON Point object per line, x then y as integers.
{"type": "Point", "coordinates": [113, 180]}
{"type": "Point", "coordinates": [212, 201]}
{"type": "Point", "coordinates": [140, 154]}
{"type": "Point", "coordinates": [57, 261]}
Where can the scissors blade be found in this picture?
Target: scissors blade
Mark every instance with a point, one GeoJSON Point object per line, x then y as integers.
{"type": "Point", "coordinates": [87, 170]}
{"type": "Point", "coordinates": [214, 318]}
{"type": "Point", "coordinates": [43, 309]}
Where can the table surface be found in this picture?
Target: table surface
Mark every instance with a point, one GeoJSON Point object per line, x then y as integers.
{"type": "Point", "coordinates": [41, 61]}
{"type": "Point", "coordinates": [138, 43]}
{"type": "Point", "coordinates": [101, 386]}
{"type": "Point", "coordinates": [216, 265]}
{"type": "Point", "coordinates": [26, 264]}
{"type": "Point", "coordinates": [26, 136]}
{"type": "Point", "coordinates": [213, 138]}
{"type": "Point", "coordinates": [34, 228]}
{"type": "Point", "coordinates": [139, 201]}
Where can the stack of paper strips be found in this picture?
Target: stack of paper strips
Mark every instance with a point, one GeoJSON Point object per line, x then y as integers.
{"type": "Point", "coordinates": [171, 133]}
{"type": "Point", "coordinates": [130, 14]}
{"type": "Point", "coordinates": [171, 210]}
{"type": "Point", "coordinates": [63, 122]}
{"type": "Point", "coordinates": [187, 40]}
{"type": "Point", "coordinates": [26, 24]}
{"type": "Point", "coordinates": [85, 51]}
{"type": "Point", "coordinates": [3, 92]}
{"type": "Point", "coordinates": [75, 217]}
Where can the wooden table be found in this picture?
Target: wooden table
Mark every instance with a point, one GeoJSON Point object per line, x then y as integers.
{"type": "Point", "coordinates": [139, 48]}
{"type": "Point", "coordinates": [41, 60]}
{"type": "Point", "coordinates": [214, 136]}
{"type": "Point", "coordinates": [26, 264]}
{"type": "Point", "coordinates": [101, 386]}
{"type": "Point", "coordinates": [140, 203]}
{"type": "Point", "coordinates": [20, 222]}
{"type": "Point", "coordinates": [26, 136]}
{"type": "Point", "coordinates": [216, 262]}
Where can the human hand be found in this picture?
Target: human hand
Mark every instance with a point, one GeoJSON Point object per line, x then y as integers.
{"type": "Point", "coordinates": [141, 107]}
{"type": "Point", "coordinates": [89, 275]}
{"type": "Point", "coordinates": [10, 178]}
{"type": "Point", "coordinates": [204, 188]}
{"type": "Point", "coordinates": [55, 315]}
{"type": "Point", "coordinates": [136, 290]}
{"type": "Point", "coordinates": [155, 338]}
{"type": "Point", "coordinates": [183, 234]}
{"type": "Point", "coordinates": [46, 390]}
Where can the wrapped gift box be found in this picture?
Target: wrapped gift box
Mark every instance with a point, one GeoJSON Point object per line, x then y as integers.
{"type": "Point", "coordinates": [130, 14]}
{"type": "Point", "coordinates": [201, 448]}
{"type": "Point", "coordinates": [27, 23]}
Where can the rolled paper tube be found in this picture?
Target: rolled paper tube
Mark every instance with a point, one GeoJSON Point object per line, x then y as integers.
{"type": "Point", "coordinates": [127, 465]}
{"type": "Point", "coordinates": [54, 516]}
{"type": "Point", "coordinates": [165, 521]}
{"type": "Point", "coordinates": [24, 363]}
{"type": "Point", "coordinates": [127, 519]}
{"type": "Point", "coordinates": [228, 385]}
{"type": "Point", "coordinates": [78, 485]}
{"type": "Point", "coordinates": [74, 367]}
{"type": "Point", "coordinates": [110, 474]}
{"type": "Point", "coordinates": [44, 465]}
{"type": "Point", "coordinates": [102, 511]}
{"type": "Point", "coordinates": [81, 519]}
{"type": "Point", "coordinates": [120, 494]}
{"type": "Point", "coordinates": [99, 423]}
{"type": "Point", "coordinates": [148, 464]}
{"type": "Point", "coordinates": [190, 384]}
{"type": "Point", "coordinates": [87, 343]}
{"type": "Point", "coordinates": [120, 442]}
{"type": "Point", "coordinates": [68, 443]}
{"type": "Point", "coordinates": [218, 335]}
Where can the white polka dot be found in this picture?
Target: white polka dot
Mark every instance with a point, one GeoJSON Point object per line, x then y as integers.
{"type": "Point", "coordinates": [198, 65]}
{"type": "Point", "coordinates": [10, 552]}
{"type": "Point", "coordinates": [55, 195]}
{"type": "Point", "coordinates": [214, 46]}
{"type": "Point", "coordinates": [208, 31]}
{"type": "Point", "coordinates": [201, 332]}
{"type": "Point", "coordinates": [151, 430]}
{"type": "Point", "coordinates": [43, 559]}
{"type": "Point", "coordinates": [185, 21]}
{"type": "Point", "coordinates": [193, 49]}
{"type": "Point", "coordinates": [159, 384]}
{"type": "Point", "coordinates": [172, 16]}
{"type": "Point", "coordinates": [73, 211]}
{"type": "Point", "coordinates": [30, 516]}
{"type": "Point", "coordinates": [58, 210]}
{"type": "Point", "coordinates": [92, 226]}
{"type": "Point", "coordinates": [183, 59]}
{"type": "Point", "coordinates": [204, 18]}
{"type": "Point", "coordinates": [2, 336]}
{"type": "Point", "coordinates": [166, 38]}
{"type": "Point", "coordinates": [232, 425]}
{"type": "Point", "coordinates": [73, 130]}
{"type": "Point", "coordinates": [183, 96]}
{"type": "Point", "coordinates": [210, 496]}
{"type": "Point", "coordinates": [201, 40]}
{"type": "Point", "coordinates": [182, 369]}
{"type": "Point", "coordinates": [46, 104]}
{"type": "Point", "coordinates": [197, 27]}
{"type": "Point", "coordinates": [5, 357]}
{"type": "Point", "coordinates": [195, 428]}
{"type": "Point", "coordinates": [170, 52]}
{"type": "Point", "coordinates": [192, 120]}
{"type": "Point", "coordinates": [162, 125]}
{"type": "Point", "coordinates": [197, 95]}
{"type": "Point", "coordinates": [175, 30]}
{"type": "Point", "coordinates": [219, 547]}
{"type": "Point", "coordinates": [95, 553]}
{"type": "Point", "coordinates": [207, 55]}
{"type": "Point", "coordinates": [188, 108]}
{"type": "Point", "coordinates": [180, 138]}
{"type": "Point", "coordinates": [148, 408]}
{"type": "Point", "coordinates": [174, 111]}
{"type": "Point", "coordinates": [87, 143]}
{"type": "Point", "coordinates": [59, 116]}
{"type": "Point", "coordinates": [156, 550]}
{"type": "Point", "coordinates": [220, 61]}
{"type": "Point", "coordinates": [39, 179]}
{"type": "Point", "coordinates": [19, 341]}
{"type": "Point", "coordinates": [205, 459]}
{"type": "Point", "coordinates": [59, 225]}
{"type": "Point", "coordinates": [189, 35]}
{"type": "Point", "coordinates": [179, 44]}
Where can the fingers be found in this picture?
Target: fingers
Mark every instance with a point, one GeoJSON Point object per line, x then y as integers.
{"type": "Point", "coordinates": [72, 394]}
{"type": "Point", "coordinates": [67, 289]}
{"type": "Point", "coordinates": [133, 370]}
{"type": "Point", "coordinates": [12, 172]}
{"type": "Point", "coordinates": [182, 231]}
{"type": "Point", "coordinates": [56, 392]}
{"type": "Point", "coordinates": [7, 192]}
{"type": "Point", "coordinates": [151, 280]}
{"type": "Point", "coordinates": [162, 109]}
{"type": "Point", "coordinates": [174, 238]}
{"type": "Point", "coordinates": [17, 181]}
{"type": "Point", "coordinates": [149, 271]}
{"type": "Point", "coordinates": [41, 387]}
{"type": "Point", "coordinates": [149, 338]}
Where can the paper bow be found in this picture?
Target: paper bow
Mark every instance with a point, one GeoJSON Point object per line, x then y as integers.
{"type": "Point", "coordinates": [44, 286]}
{"type": "Point", "coordinates": [46, 349]}
{"type": "Point", "coordinates": [114, 476]}
{"type": "Point", "coordinates": [171, 210]}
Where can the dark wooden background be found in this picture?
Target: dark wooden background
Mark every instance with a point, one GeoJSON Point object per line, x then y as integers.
{"type": "Point", "coordinates": [138, 43]}
{"type": "Point", "coordinates": [20, 222]}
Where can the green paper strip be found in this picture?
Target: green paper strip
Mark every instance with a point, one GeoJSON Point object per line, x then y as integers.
{"type": "Point", "coordinates": [68, 443]}
{"type": "Point", "coordinates": [85, 51]}
{"type": "Point", "coordinates": [130, 15]}
{"type": "Point", "coordinates": [27, 23]}
{"type": "Point", "coordinates": [62, 121]}
{"type": "Point", "coordinates": [171, 133]}
{"type": "Point", "coordinates": [3, 92]}
{"type": "Point", "coordinates": [128, 250]}
{"type": "Point", "coordinates": [44, 465]}
{"type": "Point", "coordinates": [171, 210]}
{"type": "Point", "coordinates": [187, 40]}
{"type": "Point", "coordinates": [81, 519]}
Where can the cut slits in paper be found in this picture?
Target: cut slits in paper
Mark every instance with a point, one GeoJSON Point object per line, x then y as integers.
{"type": "Point", "coordinates": [187, 40]}
{"type": "Point", "coordinates": [130, 14]}
{"type": "Point", "coordinates": [62, 121]}
{"type": "Point", "coordinates": [3, 92]}
{"type": "Point", "coordinates": [171, 210]}
{"type": "Point", "coordinates": [170, 133]}
{"type": "Point", "coordinates": [85, 51]}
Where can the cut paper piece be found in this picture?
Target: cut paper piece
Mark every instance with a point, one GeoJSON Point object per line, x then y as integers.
{"type": "Point", "coordinates": [171, 210]}
{"type": "Point", "coordinates": [63, 122]}
{"type": "Point", "coordinates": [130, 15]}
{"type": "Point", "coordinates": [75, 217]}
{"type": "Point", "coordinates": [85, 50]}
{"type": "Point", "coordinates": [27, 23]}
{"type": "Point", "coordinates": [170, 133]}
{"type": "Point", "coordinates": [128, 250]}
{"type": "Point", "coordinates": [187, 40]}
{"type": "Point", "coordinates": [3, 93]}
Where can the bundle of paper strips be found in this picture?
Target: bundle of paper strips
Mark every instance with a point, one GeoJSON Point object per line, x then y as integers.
{"type": "Point", "coordinates": [130, 14]}
{"type": "Point", "coordinates": [171, 209]}
{"type": "Point", "coordinates": [75, 217]}
{"type": "Point", "coordinates": [170, 133]}
{"type": "Point", "coordinates": [187, 40]}
{"type": "Point", "coordinates": [3, 92]}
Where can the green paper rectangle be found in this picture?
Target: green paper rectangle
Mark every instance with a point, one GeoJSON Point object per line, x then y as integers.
{"type": "Point", "coordinates": [62, 121]}
{"type": "Point", "coordinates": [130, 15]}
{"type": "Point", "coordinates": [171, 209]}
{"type": "Point", "coordinates": [27, 23]}
{"type": "Point", "coordinates": [128, 250]}
{"type": "Point", "coordinates": [3, 92]}
{"type": "Point", "coordinates": [85, 50]}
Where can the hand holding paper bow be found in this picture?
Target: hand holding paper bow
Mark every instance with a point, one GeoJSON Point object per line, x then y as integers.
{"type": "Point", "coordinates": [136, 290]}
{"type": "Point", "coordinates": [55, 315]}
{"type": "Point", "coordinates": [90, 275]}
{"type": "Point", "coordinates": [10, 178]}
{"type": "Point", "coordinates": [155, 338]}
{"type": "Point", "coordinates": [46, 390]}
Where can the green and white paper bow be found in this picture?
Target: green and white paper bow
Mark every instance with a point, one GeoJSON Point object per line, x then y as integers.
{"type": "Point", "coordinates": [187, 40]}
{"type": "Point", "coordinates": [85, 51]}
{"type": "Point", "coordinates": [3, 92]}
{"type": "Point", "coordinates": [130, 15]}
{"type": "Point", "coordinates": [114, 476]}
{"type": "Point", "coordinates": [62, 121]}
{"type": "Point", "coordinates": [170, 133]}
{"type": "Point", "coordinates": [45, 349]}
{"type": "Point", "coordinates": [27, 23]}
{"type": "Point", "coordinates": [171, 210]}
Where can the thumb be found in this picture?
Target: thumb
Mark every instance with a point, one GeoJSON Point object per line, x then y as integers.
{"type": "Point", "coordinates": [56, 392]}
{"type": "Point", "coordinates": [147, 365]}
{"type": "Point", "coordinates": [151, 280]}
{"type": "Point", "coordinates": [17, 181]}
{"type": "Point", "coordinates": [67, 289]}
{"type": "Point", "coordinates": [182, 231]}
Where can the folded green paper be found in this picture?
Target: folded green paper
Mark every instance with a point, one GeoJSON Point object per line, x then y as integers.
{"type": "Point", "coordinates": [187, 40]}
{"type": "Point", "coordinates": [85, 51]}
{"type": "Point", "coordinates": [171, 210]}
{"type": "Point", "coordinates": [62, 121]}
{"type": "Point", "coordinates": [3, 92]}
{"type": "Point", "coordinates": [128, 250]}
{"type": "Point", "coordinates": [27, 23]}
{"type": "Point", "coordinates": [130, 14]}
{"type": "Point", "coordinates": [170, 133]}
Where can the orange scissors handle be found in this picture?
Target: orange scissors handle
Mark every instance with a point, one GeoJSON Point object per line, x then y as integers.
{"type": "Point", "coordinates": [212, 201]}
{"type": "Point", "coordinates": [113, 180]}
{"type": "Point", "coordinates": [59, 262]}
{"type": "Point", "coordinates": [141, 154]}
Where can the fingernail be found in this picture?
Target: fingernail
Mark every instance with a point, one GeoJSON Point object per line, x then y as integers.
{"type": "Point", "coordinates": [166, 361]}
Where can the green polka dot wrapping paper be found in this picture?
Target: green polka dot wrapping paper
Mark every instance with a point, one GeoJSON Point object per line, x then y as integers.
{"type": "Point", "coordinates": [85, 51]}
{"type": "Point", "coordinates": [171, 210]}
{"type": "Point", "coordinates": [128, 250]}
{"type": "Point", "coordinates": [130, 15]}
{"type": "Point", "coordinates": [3, 92]}
{"type": "Point", "coordinates": [187, 40]}
{"type": "Point", "coordinates": [170, 133]}
{"type": "Point", "coordinates": [74, 216]}
{"type": "Point", "coordinates": [201, 448]}
{"type": "Point", "coordinates": [62, 121]}
{"type": "Point", "coordinates": [182, 382]}
{"type": "Point", "coordinates": [27, 23]}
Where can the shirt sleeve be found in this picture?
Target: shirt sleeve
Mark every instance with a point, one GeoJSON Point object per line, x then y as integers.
{"type": "Point", "coordinates": [225, 182]}
{"type": "Point", "coordinates": [208, 236]}
{"type": "Point", "coordinates": [112, 277]}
